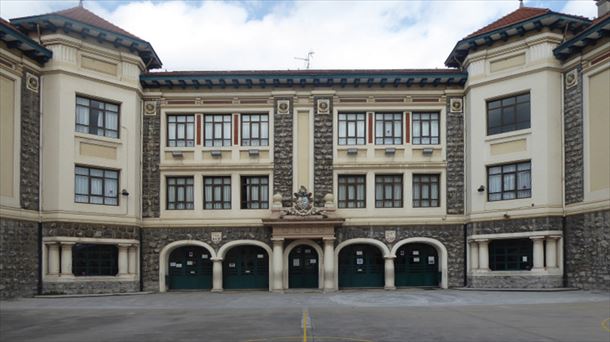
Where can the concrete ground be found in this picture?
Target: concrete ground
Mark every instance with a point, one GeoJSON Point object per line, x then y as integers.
{"type": "Point", "coordinates": [364, 315]}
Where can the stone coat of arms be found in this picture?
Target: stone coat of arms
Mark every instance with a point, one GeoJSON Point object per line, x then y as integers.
{"type": "Point", "coordinates": [302, 204]}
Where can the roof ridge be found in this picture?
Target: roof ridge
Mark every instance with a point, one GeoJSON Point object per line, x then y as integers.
{"type": "Point", "coordinates": [504, 20]}
{"type": "Point", "coordinates": [79, 13]}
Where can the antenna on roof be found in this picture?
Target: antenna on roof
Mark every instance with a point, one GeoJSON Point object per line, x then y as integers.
{"type": "Point", "coordinates": [307, 60]}
{"type": "Point", "coordinates": [520, 3]}
{"type": "Point", "coordinates": [80, 4]}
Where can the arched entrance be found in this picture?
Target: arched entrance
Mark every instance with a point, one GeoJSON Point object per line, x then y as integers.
{"type": "Point", "coordinates": [361, 265]}
{"type": "Point", "coordinates": [190, 267]}
{"type": "Point", "coordinates": [246, 267]}
{"type": "Point", "coordinates": [164, 255]}
{"type": "Point", "coordinates": [441, 251]}
{"type": "Point", "coordinates": [416, 264]}
{"type": "Point", "coordinates": [303, 268]}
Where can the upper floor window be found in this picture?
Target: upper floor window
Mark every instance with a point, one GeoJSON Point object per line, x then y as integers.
{"type": "Point", "coordinates": [511, 255]}
{"type": "Point", "coordinates": [254, 192]}
{"type": "Point", "coordinates": [94, 260]}
{"type": "Point", "coordinates": [96, 186]}
{"type": "Point", "coordinates": [426, 129]}
{"type": "Point", "coordinates": [181, 130]}
{"type": "Point", "coordinates": [217, 130]}
{"type": "Point", "coordinates": [352, 129]}
{"type": "Point", "coordinates": [388, 128]}
{"type": "Point", "coordinates": [508, 114]}
{"type": "Point", "coordinates": [388, 191]}
{"type": "Point", "coordinates": [509, 181]}
{"type": "Point", "coordinates": [180, 193]}
{"type": "Point", "coordinates": [216, 192]}
{"type": "Point", "coordinates": [426, 191]}
{"type": "Point", "coordinates": [97, 117]}
{"type": "Point", "coordinates": [255, 130]}
{"type": "Point", "coordinates": [352, 191]}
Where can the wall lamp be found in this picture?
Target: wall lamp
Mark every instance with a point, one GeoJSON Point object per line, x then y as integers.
{"type": "Point", "coordinates": [124, 192]}
{"type": "Point", "coordinates": [481, 188]}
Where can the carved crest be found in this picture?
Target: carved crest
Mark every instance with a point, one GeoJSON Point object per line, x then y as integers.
{"type": "Point", "coordinates": [216, 237]}
{"type": "Point", "coordinates": [302, 204]}
{"type": "Point", "coordinates": [390, 236]}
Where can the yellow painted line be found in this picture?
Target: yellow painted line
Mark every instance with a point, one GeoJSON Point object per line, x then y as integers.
{"type": "Point", "coordinates": [304, 325]}
{"type": "Point", "coordinates": [606, 324]}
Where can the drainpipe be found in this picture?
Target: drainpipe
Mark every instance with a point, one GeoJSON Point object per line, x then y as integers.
{"type": "Point", "coordinates": [40, 170]}
{"type": "Point", "coordinates": [141, 258]}
{"type": "Point", "coordinates": [563, 180]}
{"type": "Point", "coordinates": [465, 255]}
{"type": "Point", "coordinates": [39, 247]}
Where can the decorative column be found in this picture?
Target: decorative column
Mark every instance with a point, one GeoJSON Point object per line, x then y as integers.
{"type": "Point", "coordinates": [389, 273]}
{"type": "Point", "coordinates": [217, 275]}
{"type": "Point", "coordinates": [474, 256]}
{"type": "Point", "coordinates": [123, 259]}
{"type": "Point", "coordinates": [483, 254]}
{"type": "Point", "coordinates": [329, 264]}
{"type": "Point", "coordinates": [278, 265]}
{"type": "Point", "coordinates": [551, 252]}
{"type": "Point", "coordinates": [53, 259]}
{"type": "Point", "coordinates": [66, 259]}
{"type": "Point", "coordinates": [538, 252]}
{"type": "Point", "coordinates": [133, 260]}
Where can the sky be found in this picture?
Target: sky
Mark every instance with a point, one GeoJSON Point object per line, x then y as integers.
{"type": "Point", "coordinates": [263, 34]}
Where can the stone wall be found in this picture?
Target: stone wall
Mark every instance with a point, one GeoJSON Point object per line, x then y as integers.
{"type": "Point", "coordinates": [515, 281]}
{"type": "Point", "coordinates": [151, 176]}
{"type": "Point", "coordinates": [89, 230]}
{"type": "Point", "coordinates": [18, 258]}
{"type": "Point", "coordinates": [587, 242]}
{"type": "Point", "coordinates": [30, 146]}
{"type": "Point", "coordinates": [322, 152]}
{"type": "Point", "coordinates": [154, 239]}
{"type": "Point", "coordinates": [89, 287]}
{"type": "Point", "coordinates": [282, 151]}
{"type": "Point", "coordinates": [451, 236]}
{"type": "Point", "coordinates": [455, 162]}
{"type": "Point", "coordinates": [573, 144]}
{"type": "Point", "coordinates": [515, 225]}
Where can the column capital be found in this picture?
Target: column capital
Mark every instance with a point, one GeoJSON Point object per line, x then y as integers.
{"type": "Point", "coordinates": [51, 243]}
{"type": "Point", "coordinates": [473, 241]}
{"type": "Point", "coordinates": [277, 240]}
{"type": "Point", "coordinates": [390, 257]}
{"type": "Point", "coordinates": [554, 237]}
{"type": "Point", "coordinates": [481, 240]}
{"type": "Point", "coordinates": [67, 243]}
{"type": "Point", "coordinates": [537, 237]}
{"type": "Point", "coordinates": [216, 259]}
{"type": "Point", "coordinates": [329, 238]}
{"type": "Point", "coordinates": [125, 245]}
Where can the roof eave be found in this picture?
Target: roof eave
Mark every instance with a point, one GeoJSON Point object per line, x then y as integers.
{"type": "Point", "coordinates": [32, 49]}
{"type": "Point", "coordinates": [587, 37]}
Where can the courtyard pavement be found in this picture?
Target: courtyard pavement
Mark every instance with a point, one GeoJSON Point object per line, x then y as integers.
{"type": "Point", "coordinates": [360, 315]}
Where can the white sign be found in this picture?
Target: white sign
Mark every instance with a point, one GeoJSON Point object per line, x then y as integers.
{"type": "Point", "coordinates": [190, 254]}
{"type": "Point", "coordinates": [216, 237]}
{"type": "Point", "coordinates": [416, 259]}
{"type": "Point", "coordinates": [204, 256]}
{"type": "Point", "coordinates": [178, 265]}
{"type": "Point", "coordinates": [358, 252]}
{"type": "Point", "coordinates": [415, 252]}
{"type": "Point", "coordinates": [260, 256]}
{"type": "Point", "coordinates": [431, 260]}
{"type": "Point", "coordinates": [313, 261]}
{"type": "Point", "coordinates": [359, 261]}
{"type": "Point", "coordinates": [189, 263]}
{"type": "Point", "coordinates": [296, 262]}
{"type": "Point", "coordinates": [231, 265]}
{"type": "Point", "coordinates": [524, 258]}
{"type": "Point", "coordinates": [307, 251]}
{"type": "Point", "coordinates": [172, 264]}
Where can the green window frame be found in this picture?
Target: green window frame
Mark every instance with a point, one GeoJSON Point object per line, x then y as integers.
{"type": "Point", "coordinates": [511, 255]}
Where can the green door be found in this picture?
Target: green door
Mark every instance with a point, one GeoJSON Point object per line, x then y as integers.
{"type": "Point", "coordinates": [246, 267]}
{"type": "Point", "coordinates": [361, 266]}
{"type": "Point", "coordinates": [416, 264]}
{"type": "Point", "coordinates": [303, 268]}
{"type": "Point", "coordinates": [190, 267]}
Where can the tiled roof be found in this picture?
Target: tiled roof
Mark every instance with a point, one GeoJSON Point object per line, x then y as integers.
{"type": "Point", "coordinates": [521, 14]}
{"type": "Point", "coordinates": [83, 15]}
{"type": "Point", "coordinates": [310, 72]}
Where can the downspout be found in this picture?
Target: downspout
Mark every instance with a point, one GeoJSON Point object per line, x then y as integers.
{"type": "Point", "coordinates": [465, 255]}
{"type": "Point", "coordinates": [563, 182]}
{"type": "Point", "coordinates": [40, 169]}
{"type": "Point", "coordinates": [39, 248]}
{"type": "Point", "coordinates": [140, 192]}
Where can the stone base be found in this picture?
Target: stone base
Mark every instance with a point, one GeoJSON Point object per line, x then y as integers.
{"type": "Point", "coordinates": [89, 287]}
{"type": "Point", "coordinates": [515, 281]}
{"type": "Point", "coordinates": [18, 258]}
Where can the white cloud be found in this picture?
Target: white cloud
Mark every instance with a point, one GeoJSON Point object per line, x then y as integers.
{"type": "Point", "coordinates": [585, 8]}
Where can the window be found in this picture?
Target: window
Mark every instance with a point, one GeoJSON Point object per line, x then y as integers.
{"type": "Point", "coordinates": [388, 128]}
{"type": "Point", "coordinates": [97, 117]}
{"type": "Point", "coordinates": [216, 192]}
{"type": "Point", "coordinates": [352, 191]}
{"type": "Point", "coordinates": [179, 193]}
{"type": "Point", "coordinates": [508, 114]}
{"type": "Point", "coordinates": [426, 191]}
{"type": "Point", "coordinates": [96, 186]}
{"type": "Point", "coordinates": [509, 181]}
{"type": "Point", "coordinates": [510, 255]}
{"type": "Point", "coordinates": [426, 128]}
{"type": "Point", "coordinates": [352, 128]}
{"type": "Point", "coordinates": [181, 130]}
{"type": "Point", "coordinates": [217, 130]}
{"type": "Point", "coordinates": [255, 192]}
{"type": "Point", "coordinates": [388, 191]}
{"type": "Point", "coordinates": [255, 130]}
{"type": "Point", "coordinates": [94, 260]}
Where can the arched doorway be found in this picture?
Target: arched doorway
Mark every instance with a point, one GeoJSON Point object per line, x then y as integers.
{"type": "Point", "coordinates": [417, 264]}
{"type": "Point", "coordinates": [361, 265]}
{"type": "Point", "coordinates": [246, 267]}
{"type": "Point", "coordinates": [190, 267]}
{"type": "Point", "coordinates": [303, 268]}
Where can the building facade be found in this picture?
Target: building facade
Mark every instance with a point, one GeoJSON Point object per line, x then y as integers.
{"type": "Point", "coordinates": [492, 173]}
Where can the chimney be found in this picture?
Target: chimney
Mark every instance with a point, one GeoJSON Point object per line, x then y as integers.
{"type": "Point", "coordinates": [603, 7]}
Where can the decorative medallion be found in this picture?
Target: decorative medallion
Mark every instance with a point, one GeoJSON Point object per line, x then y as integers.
{"type": "Point", "coordinates": [571, 79]}
{"type": "Point", "coordinates": [31, 82]}
{"type": "Point", "coordinates": [455, 105]}
{"type": "Point", "coordinates": [150, 108]}
{"type": "Point", "coordinates": [216, 237]}
{"type": "Point", "coordinates": [302, 204]}
{"type": "Point", "coordinates": [283, 106]}
{"type": "Point", "coordinates": [390, 236]}
{"type": "Point", "coordinates": [323, 106]}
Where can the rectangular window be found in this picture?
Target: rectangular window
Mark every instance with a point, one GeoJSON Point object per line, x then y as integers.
{"type": "Point", "coordinates": [352, 129]}
{"type": "Point", "coordinates": [94, 260]}
{"type": "Point", "coordinates": [217, 130]}
{"type": "Point", "coordinates": [426, 128]}
{"type": "Point", "coordinates": [388, 191]}
{"type": "Point", "coordinates": [508, 114]}
{"type": "Point", "coordinates": [352, 191]}
{"type": "Point", "coordinates": [255, 192]}
{"type": "Point", "coordinates": [511, 255]}
{"type": "Point", "coordinates": [388, 128]}
{"type": "Point", "coordinates": [97, 117]}
{"type": "Point", "coordinates": [96, 186]}
{"type": "Point", "coordinates": [426, 191]}
{"type": "Point", "coordinates": [255, 130]}
{"type": "Point", "coordinates": [180, 193]}
{"type": "Point", "coordinates": [181, 130]}
{"type": "Point", "coordinates": [216, 192]}
{"type": "Point", "coordinates": [509, 181]}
